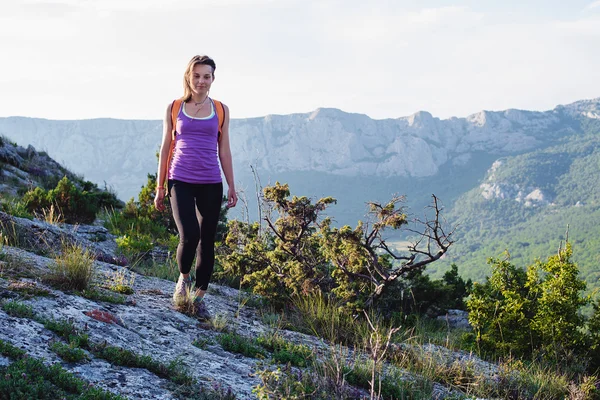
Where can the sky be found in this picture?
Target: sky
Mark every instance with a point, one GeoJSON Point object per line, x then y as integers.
{"type": "Point", "coordinates": [79, 59]}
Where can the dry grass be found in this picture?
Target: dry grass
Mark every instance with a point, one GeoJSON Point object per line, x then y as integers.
{"type": "Point", "coordinates": [51, 215]}
{"type": "Point", "coordinates": [73, 268]}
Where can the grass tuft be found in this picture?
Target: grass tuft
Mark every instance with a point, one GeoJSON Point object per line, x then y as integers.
{"type": "Point", "coordinates": [285, 352]}
{"type": "Point", "coordinates": [318, 315]}
{"type": "Point", "coordinates": [69, 353]}
{"type": "Point", "coordinates": [51, 215]}
{"type": "Point", "coordinates": [16, 309]}
{"type": "Point", "coordinates": [100, 295]}
{"type": "Point", "coordinates": [73, 268]}
{"type": "Point", "coordinates": [236, 343]}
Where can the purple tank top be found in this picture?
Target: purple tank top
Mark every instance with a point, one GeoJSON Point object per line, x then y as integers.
{"type": "Point", "coordinates": [195, 153]}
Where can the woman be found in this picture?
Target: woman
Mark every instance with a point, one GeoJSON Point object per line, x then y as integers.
{"type": "Point", "coordinates": [188, 161]}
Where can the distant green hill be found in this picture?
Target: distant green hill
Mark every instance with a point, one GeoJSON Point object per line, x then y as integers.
{"type": "Point", "coordinates": [532, 199]}
{"type": "Point", "coordinates": [353, 192]}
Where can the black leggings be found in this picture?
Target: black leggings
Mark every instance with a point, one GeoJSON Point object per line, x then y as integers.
{"type": "Point", "coordinates": [196, 209]}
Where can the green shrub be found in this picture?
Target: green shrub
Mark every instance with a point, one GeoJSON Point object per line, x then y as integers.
{"type": "Point", "coordinates": [285, 352]}
{"type": "Point", "coordinates": [10, 351]}
{"type": "Point", "coordinates": [16, 309]}
{"type": "Point", "coordinates": [66, 330]}
{"type": "Point", "coordinates": [533, 312]}
{"type": "Point", "coordinates": [16, 208]}
{"type": "Point", "coordinates": [285, 384]}
{"type": "Point", "coordinates": [299, 252]}
{"type": "Point", "coordinates": [134, 247]}
{"type": "Point", "coordinates": [318, 383]}
{"type": "Point", "coordinates": [284, 261]}
{"type": "Point", "coordinates": [74, 204]}
{"type": "Point", "coordinates": [69, 353]}
{"type": "Point", "coordinates": [99, 295]}
{"type": "Point", "coordinates": [127, 358]}
{"type": "Point", "coordinates": [236, 343]}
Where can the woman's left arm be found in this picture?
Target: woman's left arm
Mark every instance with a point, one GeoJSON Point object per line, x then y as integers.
{"type": "Point", "coordinates": [226, 160]}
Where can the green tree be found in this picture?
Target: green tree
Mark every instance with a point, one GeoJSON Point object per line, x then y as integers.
{"type": "Point", "coordinates": [558, 319]}
{"type": "Point", "coordinates": [284, 258]}
{"type": "Point", "coordinates": [365, 267]}
{"type": "Point", "coordinates": [298, 252]}
{"type": "Point", "coordinates": [500, 310]}
{"type": "Point", "coordinates": [534, 312]}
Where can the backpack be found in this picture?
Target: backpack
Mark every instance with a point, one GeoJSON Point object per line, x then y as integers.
{"type": "Point", "coordinates": [219, 109]}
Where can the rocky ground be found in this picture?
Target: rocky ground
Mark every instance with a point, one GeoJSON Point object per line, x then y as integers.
{"type": "Point", "coordinates": [146, 323]}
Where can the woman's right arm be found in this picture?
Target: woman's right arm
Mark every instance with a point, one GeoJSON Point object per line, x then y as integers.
{"type": "Point", "coordinates": [161, 175]}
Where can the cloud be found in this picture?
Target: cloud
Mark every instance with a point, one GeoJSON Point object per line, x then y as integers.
{"type": "Point", "coordinates": [595, 4]}
{"type": "Point", "coordinates": [119, 59]}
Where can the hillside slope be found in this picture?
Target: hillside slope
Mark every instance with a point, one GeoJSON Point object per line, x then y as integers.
{"type": "Point", "coordinates": [526, 204]}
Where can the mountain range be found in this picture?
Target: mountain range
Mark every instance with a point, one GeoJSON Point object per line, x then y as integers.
{"type": "Point", "coordinates": [510, 179]}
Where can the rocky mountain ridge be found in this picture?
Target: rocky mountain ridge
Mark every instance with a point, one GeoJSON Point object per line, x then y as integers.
{"type": "Point", "coordinates": [122, 152]}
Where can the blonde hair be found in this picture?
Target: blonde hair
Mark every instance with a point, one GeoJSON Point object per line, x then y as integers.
{"type": "Point", "coordinates": [204, 60]}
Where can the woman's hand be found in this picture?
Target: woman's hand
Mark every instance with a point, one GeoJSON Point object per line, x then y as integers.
{"type": "Point", "coordinates": [231, 198]}
{"type": "Point", "coordinates": [159, 199]}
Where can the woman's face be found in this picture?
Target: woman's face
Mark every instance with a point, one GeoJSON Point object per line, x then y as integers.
{"type": "Point", "coordinates": [201, 78]}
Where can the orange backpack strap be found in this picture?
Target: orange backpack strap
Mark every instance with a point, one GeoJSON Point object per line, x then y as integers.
{"type": "Point", "coordinates": [220, 109]}
{"type": "Point", "coordinates": [174, 113]}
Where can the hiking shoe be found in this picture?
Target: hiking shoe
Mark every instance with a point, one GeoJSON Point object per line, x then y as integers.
{"type": "Point", "coordinates": [182, 288]}
{"type": "Point", "coordinates": [200, 309]}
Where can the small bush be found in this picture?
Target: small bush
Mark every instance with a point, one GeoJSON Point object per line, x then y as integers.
{"type": "Point", "coordinates": [74, 204]}
{"type": "Point", "coordinates": [236, 343]}
{"type": "Point", "coordinates": [533, 313]}
{"type": "Point", "coordinates": [285, 352]}
{"type": "Point", "coordinates": [69, 353]}
{"type": "Point", "coordinates": [126, 358]}
{"type": "Point", "coordinates": [73, 268]}
{"type": "Point", "coordinates": [10, 351]}
{"type": "Point", "coordinates": [67, 331]}
{"type": "Point", "coordinates": [134, 247]}
{"type": "Point", "coordinates": [97, 294]}
{"type": "Point", "coordinates": [202, 343]}
{"type": "Point", "coordinates": [16, 309]}
{"type": "Point", "coordinates": [16, 208]}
